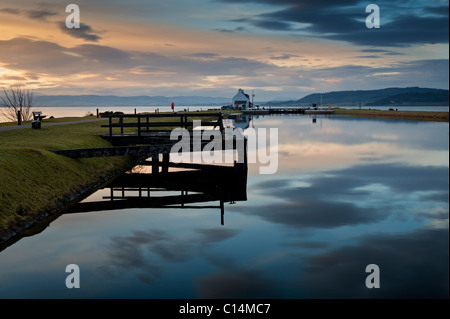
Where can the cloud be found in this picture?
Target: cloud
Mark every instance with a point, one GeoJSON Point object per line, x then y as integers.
{"type": "Point", "coordinates": [412, 265]}
{"type": "Point", "coordinates": [401, 24]}
{"type": "Point", "coordinates": [316, 214]}
{"type": "Point", "coordinates": [346, 183]}
{"type": "Point", "coordinates": [344, 198]}
{"type": "Point", "coordinates": [284, 57]}
{"type": "Point", "coordinates": [237, 29]}
{"type": "Point", "coordinates": [271, 24]}
{"type": "Point", "coordinates": [368, 57]}
{"type": "Point", "coordinates": [37, 14]}
{"type": "Point", "coordinates": [403, 31]}
{"type": "Point", "coordinates": [41, 14]}
{"type": "Point", "coordinates": [205, 55]}
{"type": "Point", "coordinates": [194, 73]}
{"type": "Point", "coordinates": [10, 10]}
{"type": "Point", "coordinates": [84, 32]}
{"type": "Point", "coordinates": [145, 252]}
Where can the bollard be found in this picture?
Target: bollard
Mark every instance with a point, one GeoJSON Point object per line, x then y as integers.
{"type": "Point", "coordinates": [36, 124]}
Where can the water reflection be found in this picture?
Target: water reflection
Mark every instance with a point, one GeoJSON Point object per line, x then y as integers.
{"type": "Point", "coordinates": [202, 183]}
{"type": "Point", "coordinates": [360, 194]}
{"type": "Point", "coordinates": [348, 193]}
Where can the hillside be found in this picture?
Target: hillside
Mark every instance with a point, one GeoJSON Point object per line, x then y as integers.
{"type": "Point", "coordinates": [382, 97]}
{"type": "Point", "coordinates": [430, 98]}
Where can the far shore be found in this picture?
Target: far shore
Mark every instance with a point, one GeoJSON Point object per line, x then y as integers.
{"type": "Point", "coordinates": [395, 115]}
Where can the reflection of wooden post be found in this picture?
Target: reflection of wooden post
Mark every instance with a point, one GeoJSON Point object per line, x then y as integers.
{"type": "Point", "coordinates": [222, 213]}
{"type": "Point", "coordinates": [182, 200]}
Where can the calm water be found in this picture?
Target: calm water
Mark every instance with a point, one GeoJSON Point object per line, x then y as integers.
{"type": "Point", "coordinates": [76, 111]}
{"type": "Point", "coordinates": [348, 193]}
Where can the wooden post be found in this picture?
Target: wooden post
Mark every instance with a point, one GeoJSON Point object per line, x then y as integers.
{"type": "Point", "coordinates": [19, 117]}
{"type": "Point", "coordinates": [155, 164]}
{"type": "Point", "coordinates": [165, 164]}
{"type": "Point", "coordinates": [139, 126]}
{"type": "Point", "coordinates": [97, 113]}
{"type": "Point", "coordinates": [221, 122]}
{"type": "Point", "coordinates": [110, 128]}
{"type": "Point", "coordinates": [121, 125]}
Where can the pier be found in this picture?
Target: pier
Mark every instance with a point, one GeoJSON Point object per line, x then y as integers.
{"type": "Point", "coordinates": [298, 110]}
{"type": "Point", "coordinates": [149, 135]}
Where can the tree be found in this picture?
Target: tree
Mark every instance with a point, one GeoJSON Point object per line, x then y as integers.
{"type": "Point", "coordinates": [16, 99]}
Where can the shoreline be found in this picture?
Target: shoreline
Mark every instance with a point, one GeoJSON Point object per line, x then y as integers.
{"type": "Point", "coordinates": [42, 220]}
{"type": "Point", "coordinates": [37, 184]}
{"type": "Point", "coordinates": [395, 115]}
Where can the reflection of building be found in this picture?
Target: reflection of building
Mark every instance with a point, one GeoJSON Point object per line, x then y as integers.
{"type": "Point", "coordinates": [242, 122]}
{"type": "Point", "coordinates": [241, 101]}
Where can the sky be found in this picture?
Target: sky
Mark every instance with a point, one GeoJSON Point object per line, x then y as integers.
{"type": "Point", "coordinates": [279, 49]}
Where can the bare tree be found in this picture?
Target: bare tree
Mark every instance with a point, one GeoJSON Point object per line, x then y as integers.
{"type": "Point", "coordinates": [17, 98]}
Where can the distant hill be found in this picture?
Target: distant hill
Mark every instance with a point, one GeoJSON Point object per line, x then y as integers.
{"type": "Point", "coordinates": [429, 98]}
{"type": "Point", "coordinates": [382, 97]}
{"type": "Point", "coordinates": [112, 100]}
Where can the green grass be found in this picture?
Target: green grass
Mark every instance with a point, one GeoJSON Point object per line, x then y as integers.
{"type": "Point", "coordinates": [35, 180]}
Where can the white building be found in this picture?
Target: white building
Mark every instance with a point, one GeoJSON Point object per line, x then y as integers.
{"type": "Point", "coordinates": [241, 101]}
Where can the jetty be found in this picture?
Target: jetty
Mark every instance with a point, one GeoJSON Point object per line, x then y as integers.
{"type": "Point", "coordinates": [299, 110]}
{"type": "Point", "coordinates": [146, 135]}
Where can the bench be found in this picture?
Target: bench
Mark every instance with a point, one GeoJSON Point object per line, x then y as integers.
{"type": "Point", "coordinates": [37, 116]}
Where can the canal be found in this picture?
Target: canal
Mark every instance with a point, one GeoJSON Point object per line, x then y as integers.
{"type": "Point", "coordinates": [347, 193]}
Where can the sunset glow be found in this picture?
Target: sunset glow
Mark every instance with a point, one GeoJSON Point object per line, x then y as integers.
{"type": "Point", "coordinates": [278, 48]}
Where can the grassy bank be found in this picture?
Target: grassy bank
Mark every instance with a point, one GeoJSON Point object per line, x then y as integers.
{"type": "Point", "coordinates": [395, 115]}
{"type": "Point", "coordinates": [35, 181]}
